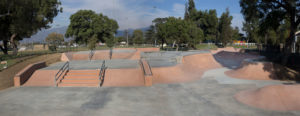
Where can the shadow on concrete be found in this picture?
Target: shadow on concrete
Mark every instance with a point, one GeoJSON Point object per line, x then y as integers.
{"type": "Point", "coordinates": [234, 60]}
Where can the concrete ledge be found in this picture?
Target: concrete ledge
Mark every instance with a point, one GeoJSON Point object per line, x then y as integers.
{"type": "Point", "coordinates": [147, 72]}
{"type": "Point", "coordinates": [148, 81]}
{"type": "Point", "coordinates": [26, 73]}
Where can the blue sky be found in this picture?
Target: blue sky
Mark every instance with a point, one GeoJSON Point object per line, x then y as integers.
{"type": "Point", "coordinates": [140, 13]}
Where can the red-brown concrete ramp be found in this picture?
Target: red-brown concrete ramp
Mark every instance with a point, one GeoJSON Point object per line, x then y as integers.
{"type": "Point", "coordinates": [253, 71]}
{"type": "Point", "coordinates": [41, 78]}
{"type": "Point", "coordinates": [278, 97]}
{"type": "Point", "coordinates": [192, 68]}
{"type": "Point", "coordinates": [124, 78]}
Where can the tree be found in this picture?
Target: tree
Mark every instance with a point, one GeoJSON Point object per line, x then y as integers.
{"type": "Point", "coordinates": [236, 35]}
{"type": "Point", "coordinates": [138, 37]}
{"type": "Point", "coordinates": [24, 18]}
{"type": "Point", "coordinates": [178, 32]}
{"type": "Point", "coordinates": [150, 35]}
{"type": "Point", "coordinates": [92, 43]}
{"type": "Point", "coordinates": [272, 13]}
{"type": "Point", "coordinates": [190, 10]}
{"type": "Point", "coordinates": [225, 28]}
{"type": "Point", "coordinates": [161, 30]}
{"type": "Point", "coordinates": [86, 24]}
{"type": "Point", "coordinates": [196, 35]}
{"type": "Point", "coordinates": [54, 39]}
{"type": "Point", "coordinates": [119, 39]}
{"type": "Point", "coordinates": [208, 22]}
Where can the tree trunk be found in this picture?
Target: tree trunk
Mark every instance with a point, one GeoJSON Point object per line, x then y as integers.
{"type": "Point", "coordinates": [173, 44]}
{"type": "Point", "coordinates": [14, 45]}
{"type": "Point", "coordinates": [4, 48]}
{"type": "Point", "coordinates": [177, 47]}
{"type": "Point", "coordinates": [110, 53]}
{"type": "Point", "coordinates": [289, 41]}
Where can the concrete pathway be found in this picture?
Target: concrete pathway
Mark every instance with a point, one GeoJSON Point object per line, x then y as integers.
{"type": "Point", "coordinates": [219, 75]}
{"type": "Point", "coordinates": [210, 96]}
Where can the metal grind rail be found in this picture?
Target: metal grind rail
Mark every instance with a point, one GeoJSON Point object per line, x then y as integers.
{"type": "Point", "coordinates": [102, 73]}
{"type": "Point", "coordinates": [60, 74]}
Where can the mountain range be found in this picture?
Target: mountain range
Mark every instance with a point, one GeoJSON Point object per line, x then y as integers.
{"type": "Point", "coordinates": [41, 35]}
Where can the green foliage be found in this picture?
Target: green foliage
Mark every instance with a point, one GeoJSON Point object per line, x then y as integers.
{"type": "Point", "coordinates": [86, 23]}
{"type": "Point", "coordinates": [206, 47]}
{"type": "Point", "coordinates": [177, 31]}
{"type": "Point", "coordinates": [190, 10]}
{"type": "Point", "coordinates": [25, 18]}
{"type": "Point", "coordinates": [119, 39]}
{"type": "Point", "coordinates": [272, 15]}
{"type": "Point", "coordinates": [225, 28]}
{"type": "Point", "coordinates": [150, 35]}
{"type": "Point", "coordinates": [138, 37]}
{"type": "Point", "coordinates": [110, 42]}
{"type": "Point", "coordinates": [92, 43]}
{"type": "Point", "coordinates": [52, 47]}
{"type": "Point", "coordinates": [236, 35]}
{"type": "Point", "coordinates": [55, 39]}
{"type": "Point", "coordinates": [208, 21]}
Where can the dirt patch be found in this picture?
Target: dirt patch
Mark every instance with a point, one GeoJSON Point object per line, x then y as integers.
{"type": "Point", "coordinates": [6, 76]}
{"type": "Point", "coordinates": [278, 98]}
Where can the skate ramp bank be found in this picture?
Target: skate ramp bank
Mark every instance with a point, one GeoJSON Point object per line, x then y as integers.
{"type": "Point", "coordinates": [228, 49]}
{"type": "Point", "coordinates": [117, 53]}
{"type": "Point", "coordinates": [278, 98]}
{"type": "Point", "coordinates": [254, 71]}
{"type": "Point", "coordinates": [42, 78]}
{"type": "Point", "coordinates": [260, 70]}
{"type": "Point", "coordinates": [191, 69]}
{"type": "Point", "coordinates": [124, 78]}
{"type": "Point", "coordinates": [113, 78]}
{"type": "Point", "coordinates": [25, 74]}
{"type": "Point", "coordinates": [233, 60]}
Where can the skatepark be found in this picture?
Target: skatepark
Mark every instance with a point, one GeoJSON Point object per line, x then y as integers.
{"type": "Point", "coordinates": [140, 81]}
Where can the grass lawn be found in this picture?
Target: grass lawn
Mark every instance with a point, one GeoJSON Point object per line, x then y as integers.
{"type": "Point", "coordinates": [6, 76]}
{"type": "Point", "coordinates": [206, 47]}
{"type": "Point", "coordinates": [244, 47]}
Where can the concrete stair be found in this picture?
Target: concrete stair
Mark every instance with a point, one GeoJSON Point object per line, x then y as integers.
{"type": "Point", "coordinates": [81, 78]}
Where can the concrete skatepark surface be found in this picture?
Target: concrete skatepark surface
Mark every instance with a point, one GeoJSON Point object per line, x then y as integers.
{"type": "Point", "coordinates": [208, 97]}
{"type": "Point", "coordinates": [186, 83]}
{"type": "Point", "coordinates": [286, 97]}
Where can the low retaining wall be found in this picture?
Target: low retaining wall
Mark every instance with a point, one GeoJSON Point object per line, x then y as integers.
{"type": "Point", "coordinates": [26, 73]}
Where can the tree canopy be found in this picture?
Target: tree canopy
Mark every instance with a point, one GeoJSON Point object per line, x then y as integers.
{"type": "Point", "coordinates": [85, 24]}
{"type": "Point", "coordinates": [271, 15]}
{"type": "Point", "coordinates": [138, 37]}
{"type": "Point", "coordinates": [55, 39]}
{"type": "Point", "coordinates": [177, 31]}
{"type": "Point", "coordinates": [225, 28]}
{"type": "Point", "coordinates": [24, 18]}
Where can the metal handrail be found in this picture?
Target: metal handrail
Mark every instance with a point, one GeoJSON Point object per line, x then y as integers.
{"type": "Point", "coordinates": [64, 68]}
{"type": "Point", "coordinates": [102, 73]}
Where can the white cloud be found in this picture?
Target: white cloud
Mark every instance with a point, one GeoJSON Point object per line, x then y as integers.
{"type": "Point", "coordinates": [178, 9]}
{"type": "Point", "coordinates": [129, 13]}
